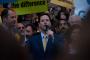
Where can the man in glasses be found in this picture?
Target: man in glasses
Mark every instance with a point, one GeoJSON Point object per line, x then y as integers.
{"type": "Point", "coordinates": [21, 28]}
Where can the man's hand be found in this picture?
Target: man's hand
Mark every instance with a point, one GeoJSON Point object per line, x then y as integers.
{"type": "Point", "coordinates": [50, 33]}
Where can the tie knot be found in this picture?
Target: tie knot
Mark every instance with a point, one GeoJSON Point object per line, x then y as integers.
{"type": "Point", "coordinates": [45, 36]}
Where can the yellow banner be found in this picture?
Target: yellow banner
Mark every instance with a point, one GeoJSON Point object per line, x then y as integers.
{"type": "Point", "coordinates": [30, 6]}
{"type": "Point", "coordinates": [64, 3]}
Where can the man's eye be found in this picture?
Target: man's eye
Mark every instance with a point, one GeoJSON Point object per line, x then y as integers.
{"type": "Point", "coordinates": [12, 17]}
{"type": "Point", "coordinates": [42, 20]}
{"type": "Point", "coordinates": [47, 20]}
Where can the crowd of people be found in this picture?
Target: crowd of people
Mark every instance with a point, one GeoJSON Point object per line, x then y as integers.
{"type": "Point", "coordinates": [53, 35]}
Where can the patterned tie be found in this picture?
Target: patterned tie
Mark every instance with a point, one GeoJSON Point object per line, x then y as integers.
{"type": "Point", "coordinates": [44, 42]}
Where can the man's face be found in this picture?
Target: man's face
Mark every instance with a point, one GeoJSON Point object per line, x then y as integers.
{"type": "Point", "coordinates": [29, 31]}
{"type": "Point", "coordinates": [62, 16]}
{"type": "Point", "coordinates": [63, 25]}
{"type": "Point", "coordinates": [11, 18]}
{"type": "Point", "coordinates": [20, 28]}
{"type": "Point", "coordinates": [44, 20]}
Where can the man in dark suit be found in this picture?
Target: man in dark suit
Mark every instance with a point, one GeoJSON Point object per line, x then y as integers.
{"type": "Point", "coordinates": [45, 45]}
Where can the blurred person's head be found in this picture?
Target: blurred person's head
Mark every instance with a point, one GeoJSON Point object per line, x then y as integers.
{"type": "Point", "coordinates": [62, 15]}
{"type": "Point", "coordinates": [9, 48]}
{"type": "Point", "coordinates": [81, 40]}
{"type": "Point", "coordinates": [29, 30]}
{"type": "Point", "coordinates": [9, 17]}
{"type": "Point", "coordinates": [44, 20]}
{"type": "Point", "coordinates": [7, 5]}
{"type": "Point", "coordinates": [28, 17]}
{"type": "Point", "coordinates": [21, 28]}
{"type": "Point", "coordinates": [63, 26]}
{"type": "Point", "coordinates": [74, 20]}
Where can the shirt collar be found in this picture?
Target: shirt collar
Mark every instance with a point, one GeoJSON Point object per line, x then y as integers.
{"type": "Point", "coordinates": [42, 35]}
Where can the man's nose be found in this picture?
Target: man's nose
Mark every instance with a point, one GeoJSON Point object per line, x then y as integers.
{"type": "Point", "coordinates": [15, 19]}
{"type": "Point", "coordinates": [45, 22]}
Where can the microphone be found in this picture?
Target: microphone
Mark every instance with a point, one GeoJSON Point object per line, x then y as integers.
{"type": "Point", "coordinates": [49, 32]}
{"type": "Point", "coordinates": [51, 35]}
{"type": "Point", "coordinates": [47, 28]}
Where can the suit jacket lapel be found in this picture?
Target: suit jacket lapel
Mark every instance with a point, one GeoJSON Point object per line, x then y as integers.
{"type": "Point", "coordinates": [49, 44]}
{"type": "Point", "coordinates": [40, 43]}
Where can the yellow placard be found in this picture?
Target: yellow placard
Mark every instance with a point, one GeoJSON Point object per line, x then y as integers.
{"type": "Point", "coordinates": [64, 3]}
{"type": "Point", "coordinates": [30, 6]}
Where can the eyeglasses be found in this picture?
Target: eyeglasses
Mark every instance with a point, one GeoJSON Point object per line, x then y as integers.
{"type": "Point", "coordinates": [20, 27]}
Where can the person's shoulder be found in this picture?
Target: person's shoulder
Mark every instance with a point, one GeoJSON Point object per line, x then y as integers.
{"type": "Point", "coordinates": [34, 37]}
{"type": "Point", "coordinates": [59, 39]}
{"type": "Point", "coordinates": [36, 34]}
{"type": "Point", "coordinates": [59, 35]}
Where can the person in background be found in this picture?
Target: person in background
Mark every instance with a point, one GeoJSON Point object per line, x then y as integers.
{"type": "Point", "coordinates": [63, 26]}
{"type": "Point", "coordinates": [7, 5]}
{"type": "Point", "coordinates": [36, 23]}
{"type": "Point", "coordinates": [29, 31]}
{"type": "Point", "coordinates": [9, 21]}
{"type": "Point", "coordinates": [21, 28]}
{"type": "Point", "coordinates": [82, 44]}
{"type": "Point", "coordinates": [46, 45]}
{"type": "Point", "coordinates": [28, 19]}
{"type": "Point", "coordinates": [80, 37]}
{"type": "Point", "coordinates": [76, 23]}
{"type": "Point", "coordinates": [74, 20]}
{"type": "Point", "coordinates": [9, 48]}
{"type": "Point", "coordinates": [62, 15]}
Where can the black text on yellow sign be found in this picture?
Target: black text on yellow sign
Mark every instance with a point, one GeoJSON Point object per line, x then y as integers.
{"type": "Point", "coordinates": [30, 6]}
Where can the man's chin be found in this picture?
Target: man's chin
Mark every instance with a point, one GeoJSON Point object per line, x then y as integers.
{"type": "Point", "coordinates": [63, 31]}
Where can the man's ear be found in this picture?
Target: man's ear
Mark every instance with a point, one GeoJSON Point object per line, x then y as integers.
{"type": "Point", "coordinates": [4, 20]}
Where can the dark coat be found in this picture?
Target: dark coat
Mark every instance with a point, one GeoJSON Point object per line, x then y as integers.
{"type": "Point", "coordinates": [54, 47]}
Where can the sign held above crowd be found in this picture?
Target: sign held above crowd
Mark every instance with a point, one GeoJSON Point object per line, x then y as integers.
{"type": "Point", "coordinates": [29, 6]}
{"type": "Point", "coordinates": [64, 3]}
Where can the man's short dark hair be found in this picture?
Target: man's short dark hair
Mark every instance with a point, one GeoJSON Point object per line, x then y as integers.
{"type": "Point", "coordinates": [4, 13]}
{"type": "Point", "coordinates": [39, 16]}
{"type": "Point", "coordinates": [31, 26]}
